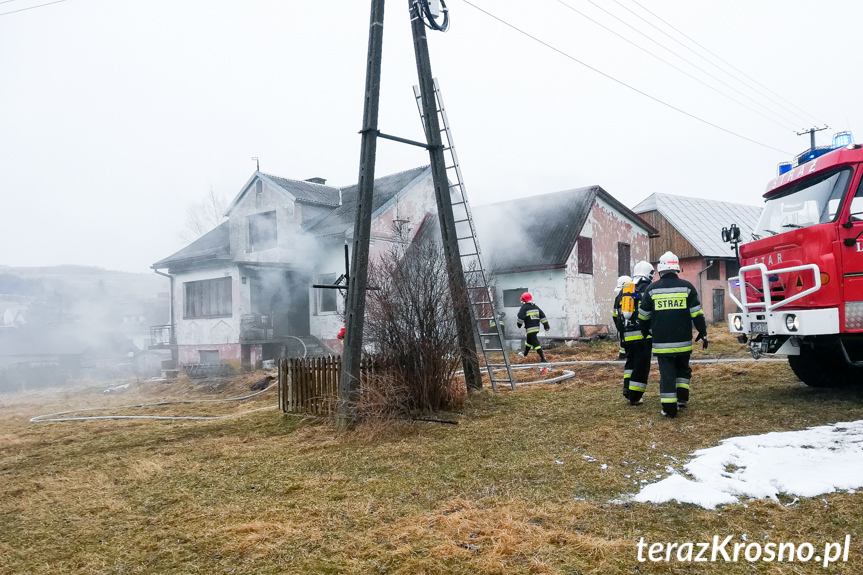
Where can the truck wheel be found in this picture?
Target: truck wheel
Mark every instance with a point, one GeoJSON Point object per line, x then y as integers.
{"type": "Point", "coordinates": [819, 368]}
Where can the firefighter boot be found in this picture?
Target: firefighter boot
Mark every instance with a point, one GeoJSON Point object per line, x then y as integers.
{"type": "Point", "coordinates": [625, 388]}
{"type": "Point", "coordinates": [635, 397]}
{"type": "Point", "coordinates": [541, 355]}
{"type": "Point", "coordinates": [669, 410]}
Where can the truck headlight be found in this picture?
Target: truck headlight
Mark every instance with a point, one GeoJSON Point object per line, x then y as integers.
{"type": "Point", "coordinates": [791, 322]}
{"type": "Point", "coordinates": [738, 323]}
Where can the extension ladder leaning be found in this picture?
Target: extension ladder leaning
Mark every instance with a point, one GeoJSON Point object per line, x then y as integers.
{"type": "Point", "coordinates": [486, 325]}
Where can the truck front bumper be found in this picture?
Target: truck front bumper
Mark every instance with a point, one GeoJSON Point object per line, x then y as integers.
{"type": "Point", "coordinates": [789, 322]}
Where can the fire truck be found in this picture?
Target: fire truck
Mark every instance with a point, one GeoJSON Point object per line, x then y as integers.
{"type": "Point", "coordinates": [800, 286]}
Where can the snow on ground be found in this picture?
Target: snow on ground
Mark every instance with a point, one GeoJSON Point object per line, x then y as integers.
{"type": "Point", "coordinates": [804, 463]}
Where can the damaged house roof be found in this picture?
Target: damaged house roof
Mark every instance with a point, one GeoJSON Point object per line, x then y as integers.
{"type": "Point", "coordinates": [215, 245]}
{"type": "Point", "coordinates": [539, 232]}
{"type": "Point", "coordinates": [700, 221]}
{"type": "Point", "coordinates": [341, 220]}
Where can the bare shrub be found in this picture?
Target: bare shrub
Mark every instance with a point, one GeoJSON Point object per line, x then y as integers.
{"type": "Point", "coordinates": [411, 321]}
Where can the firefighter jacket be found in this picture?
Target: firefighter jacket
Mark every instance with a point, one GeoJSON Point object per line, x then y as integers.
{"type": "Point", "coordinates": [669, 308]}
{"type": "Point", "coordinates": [531, 316]}
{"type": "Point", "coordinates": [630, 330]}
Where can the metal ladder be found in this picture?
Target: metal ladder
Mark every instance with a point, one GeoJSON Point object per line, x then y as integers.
{"type": "Point", "coordinates": [481, 294]}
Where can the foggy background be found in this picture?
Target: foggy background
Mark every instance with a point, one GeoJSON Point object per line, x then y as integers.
{"type": "Point", "coordinates": [115, 117]}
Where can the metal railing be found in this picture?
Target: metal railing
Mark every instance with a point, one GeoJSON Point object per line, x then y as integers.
{"type": "Point", "coordinates": [162, 336]}
{"type": "Point", "coordinates": [768, 304]}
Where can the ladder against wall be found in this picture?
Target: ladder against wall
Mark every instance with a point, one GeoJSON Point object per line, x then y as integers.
{"type": "Point", "coordinates": [486, 325]}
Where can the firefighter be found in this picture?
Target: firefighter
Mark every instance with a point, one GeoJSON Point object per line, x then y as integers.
{"type": "Point", "coordinates": [668, 310]}
{"type": "Point", "coordinates": [637, 367]}
{"type": "Point", "coordinates": [531, 316]}
{"type": "Point", "coordinates": [617, 319]}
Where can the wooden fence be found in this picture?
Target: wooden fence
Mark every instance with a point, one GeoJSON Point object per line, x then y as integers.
{"type": "Point", "coordinates": [311, 384]}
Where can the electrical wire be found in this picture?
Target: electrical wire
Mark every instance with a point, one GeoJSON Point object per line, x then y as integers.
{"type": "Point", "coordinates": [682, 71]}
{"type": "Point", "coordinates": [30, 8]}
{"type": "Point", "coordinates": [624, 84]}
{"type": "Point", "coordinates": [696, 66]}
{"type": "Point", "coordinates": [729, 65]}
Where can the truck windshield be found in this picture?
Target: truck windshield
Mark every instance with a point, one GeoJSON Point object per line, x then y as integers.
{"type": "Point", "coordinates": [806, 204]}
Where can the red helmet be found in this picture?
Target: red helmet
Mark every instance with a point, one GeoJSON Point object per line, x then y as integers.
{"type": "Point", "coordinates": [526, 297]}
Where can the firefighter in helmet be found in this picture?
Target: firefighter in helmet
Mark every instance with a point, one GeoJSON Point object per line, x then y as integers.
{"type": "Point", "coordinates": [668, 310]}
{"type": "Point", "coordinates": [617, 318]}
{"type": "Point", "coordinates": [531, 316]}
{"type": "Point", "coordinates": [637, 367]}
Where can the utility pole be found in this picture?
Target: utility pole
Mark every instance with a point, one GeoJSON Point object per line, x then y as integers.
{"type": "Point", "coordinates": [455, 271]}
{"type": "Point", "coordinates": [811, 132]}
{"type": "Point", "coordinates": [355, 304]}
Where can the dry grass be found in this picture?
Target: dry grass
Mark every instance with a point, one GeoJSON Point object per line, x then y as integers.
{"type": "Point", "coordinates": [268, 493]}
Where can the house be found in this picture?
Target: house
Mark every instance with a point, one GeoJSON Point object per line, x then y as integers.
{"type": "Point", "coordinates": [691, 228]}
{"type": "Point", "coordinates": [242, 293]}
{"type": "Point", "coordinates": [567, 249]}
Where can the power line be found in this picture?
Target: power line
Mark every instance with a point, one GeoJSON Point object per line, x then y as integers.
{"type": "Point", "coordinates": [612, 78]}
{"type": "Point", "coordinates": [727, 64]}
{"type": "Point", "coordinates": [681, 70]}
{"type": "Point", "coordinates": [696, 66]}
{"type": "Point", "coordinates": [30, 8]}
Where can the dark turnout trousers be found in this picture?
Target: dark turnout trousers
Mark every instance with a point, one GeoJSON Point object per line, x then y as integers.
{"type": "Point", "coordinates": [674, 379]}
{"type": "Point", "coordinates": [636, 369]}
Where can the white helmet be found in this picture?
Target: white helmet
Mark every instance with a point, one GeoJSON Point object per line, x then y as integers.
{"type": "Point", "coordinates": [643, 269]}
{"type": "Point", "coordinates": [620, 281]}
{"type": "Point", "coordinates": [668, 263]}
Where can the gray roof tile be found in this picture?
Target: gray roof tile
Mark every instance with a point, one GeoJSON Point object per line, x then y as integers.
{"type": "Point", "coordinates": [701, 221]}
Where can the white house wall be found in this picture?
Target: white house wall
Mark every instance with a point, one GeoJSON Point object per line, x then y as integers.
{"type": "Point", "coordinates": [590, 296]}
{"type": "Point", "coordinates": [218, 333]}
{"type": "Point", "coordinates": [548, 289]}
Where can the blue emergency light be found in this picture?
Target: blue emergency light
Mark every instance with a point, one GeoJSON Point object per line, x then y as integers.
{"type": "Point", "coordinates": [842, 139]}
{"type": "Point", "coordinates": [784, 167]}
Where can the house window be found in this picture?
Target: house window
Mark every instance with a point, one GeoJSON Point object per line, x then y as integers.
{"type": "Point", "coordinates": [713, 271]}
{"type": "Point", "coordinates": [327, 298]}
{"type": "Point", "coordinates": [585, 255]}
{"type": "Point", "coordinates": [262, 231]}
{"type": "Point", "coordinates": [732, 268]}
{"type": "Point", "coordinates": [512, 297]}
{"type": "Point", "coordinates": [259, 187]}
{"type": "Point", "coordinates": [207, 298]}
{"type": "Point", "coordinates": [209, 356]}
{"type": "Point", "coordinates": [624, 255]}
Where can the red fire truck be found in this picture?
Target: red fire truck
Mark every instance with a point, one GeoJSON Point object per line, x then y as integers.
{"type": "Point", "coordinates": [800, 285]}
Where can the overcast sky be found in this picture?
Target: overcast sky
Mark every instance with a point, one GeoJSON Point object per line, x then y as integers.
{"type": "Point", "coordinates": [117, 115]}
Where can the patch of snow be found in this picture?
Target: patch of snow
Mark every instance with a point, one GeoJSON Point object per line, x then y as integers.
{"type": "Point", "coordinates": [805, 463]}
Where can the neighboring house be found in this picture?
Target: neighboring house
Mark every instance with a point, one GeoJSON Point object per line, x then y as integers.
{"type": "Point", "coordinates": [691, 228]}
{"type": "Point", "coordinates": [567, 249]}
{"type": "Point", "coordinates": [242, 292]}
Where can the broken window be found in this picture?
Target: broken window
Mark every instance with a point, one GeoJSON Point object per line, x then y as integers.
{"type": "Point", "coordinates": [262, 231]}
{"type": "Point", "coordinates": [624, 255]}
{"type": "Point", "coordinates": [207, 298]}
{"type": "Point", "coordinates": [512, 297]}
{"type": "Point", "coordinates": [585, 255]}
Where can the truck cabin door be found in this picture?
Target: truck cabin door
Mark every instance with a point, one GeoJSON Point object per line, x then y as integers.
{"type": "Point", "coordinates": [852, 261]}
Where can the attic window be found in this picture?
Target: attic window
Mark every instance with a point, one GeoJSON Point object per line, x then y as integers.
{"type": "Point", "coordinates": [585, 255]}
{"type": "Point", "coordinates": [262, 231]}
{"type": "Point", "coordinates": [259, 187]}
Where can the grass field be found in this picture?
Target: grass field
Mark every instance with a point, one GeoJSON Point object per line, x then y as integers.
{"type": "Point", "coordinates": [506, 490]}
